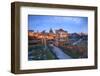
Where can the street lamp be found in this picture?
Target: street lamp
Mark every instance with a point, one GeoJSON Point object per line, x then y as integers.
{"type": "Point", "coordinates": [44, 39]}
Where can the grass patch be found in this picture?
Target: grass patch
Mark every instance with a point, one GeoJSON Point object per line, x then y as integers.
{"type": "Point", "coordinates": [74, 51]}
{"type": "Point", "coordinates": [39, 53]}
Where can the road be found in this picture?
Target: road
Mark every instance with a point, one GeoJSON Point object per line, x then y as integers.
{"type": "Point", "coordinates": [76, 42]}
{"type": "Point", "coordinates": [59, 53]}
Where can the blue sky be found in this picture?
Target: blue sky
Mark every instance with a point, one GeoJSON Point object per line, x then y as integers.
{"type": "Point", "coordinates": [71, 24]}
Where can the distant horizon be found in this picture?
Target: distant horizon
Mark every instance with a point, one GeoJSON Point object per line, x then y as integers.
{"type": "Point", "coordinates": [58, 29]}
{"type": "Point", "coordinates": [67, 23]}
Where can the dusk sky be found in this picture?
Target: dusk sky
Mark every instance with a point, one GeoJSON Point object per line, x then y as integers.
{"type": "Point", "coordinates": [71, 24]}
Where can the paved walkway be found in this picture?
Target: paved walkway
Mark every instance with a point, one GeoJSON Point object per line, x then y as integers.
{"type": "Point", "coordinates": [59, 53]}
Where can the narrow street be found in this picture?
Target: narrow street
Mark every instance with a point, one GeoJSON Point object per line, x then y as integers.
{"type": "Point", "coordinates": [59, 53]}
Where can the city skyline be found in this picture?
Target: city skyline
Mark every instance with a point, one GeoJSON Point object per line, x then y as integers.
{"type": "Point", "coordinates": [68, 23]}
